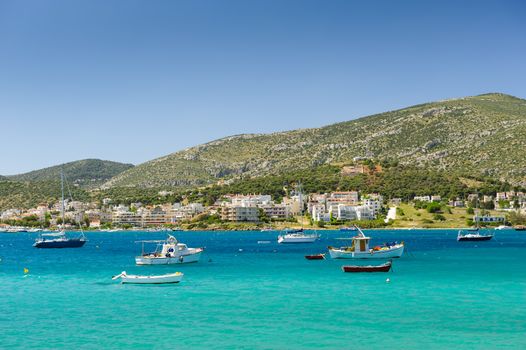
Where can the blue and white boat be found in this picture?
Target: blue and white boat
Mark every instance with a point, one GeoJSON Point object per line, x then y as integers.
{"type": "Point", "coordinates": [60, 239]}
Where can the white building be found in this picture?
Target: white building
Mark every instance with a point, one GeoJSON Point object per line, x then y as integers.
{"type": "Point", "coordinates": [276, 211]}
{"type": "Point", "coordinates": [238, 213]}
{"type": "Point", "coordinates": [250, 200]}
{"type": "Point", "coordinates": [373, 205]}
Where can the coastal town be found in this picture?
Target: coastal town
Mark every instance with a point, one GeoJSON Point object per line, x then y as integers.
{"type": "Point", "coordinates": [240, 211]}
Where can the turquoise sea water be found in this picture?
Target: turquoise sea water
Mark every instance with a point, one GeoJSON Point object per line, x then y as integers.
{"type": "Point", "coordinates": [442, 294]}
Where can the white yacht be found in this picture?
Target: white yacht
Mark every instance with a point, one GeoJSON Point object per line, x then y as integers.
{"type": "Point", "coordinates": [297, 236]}
{"type": "Point", "coordinates": [168, 252]}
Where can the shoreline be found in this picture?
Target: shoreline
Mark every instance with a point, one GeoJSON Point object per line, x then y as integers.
{"type": "Point", "coordinates": [253, 229]}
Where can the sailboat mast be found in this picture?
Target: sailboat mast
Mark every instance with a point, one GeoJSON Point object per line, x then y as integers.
{"type": "Point", "coordinates": [62, 188]}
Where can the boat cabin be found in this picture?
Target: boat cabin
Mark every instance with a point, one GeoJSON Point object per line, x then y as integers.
{"type": "Point", "coordinates": [360, 244]}
{"type": "Point", "coordinates": [171, 248]}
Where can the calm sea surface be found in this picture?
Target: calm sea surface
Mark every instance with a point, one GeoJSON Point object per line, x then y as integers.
{"type": "Point", "coordinates": [246, 295]}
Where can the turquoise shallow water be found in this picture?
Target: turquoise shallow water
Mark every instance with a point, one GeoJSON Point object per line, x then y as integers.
{"type": "Point", "coordinates": [442, 294]}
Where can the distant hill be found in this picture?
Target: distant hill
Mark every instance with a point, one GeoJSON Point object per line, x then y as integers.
{"type": "Point", "coordinates": [480, 135]}
{"type": "Point", "coordinates": [24, 194]}
{"type": "Point", "coordinates": [85, 173]}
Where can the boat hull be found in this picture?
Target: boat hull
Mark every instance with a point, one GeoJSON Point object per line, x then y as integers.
{"type": "Point", "coordinates": [379, 268]}
{"type": "Point", "coordinates": [474, 239]}
{"type": "Point", "coordinates": [165, 279]}
{"type": "Point", "coordinates": [181, 259]}
{"type": "Point", "coordinates": [315, 257]}
{"type": "Point", "coordinates": [395, 252]}
{"type": "Point", "coordinates": [70, 243]}
{"type": "Point", "coordinates": [293, 240]}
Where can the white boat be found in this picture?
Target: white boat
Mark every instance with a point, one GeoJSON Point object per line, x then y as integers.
{"type": "Point", "coordinates": [504, 227]}
{"type": "Point", "coordinates": [297, 236]}
{"type": "Point", "coordinates": [359, 249]}
{"type": "Point", "coordinates": [168, 252]}
{"type": "Point", "coordinates": [161, 279]}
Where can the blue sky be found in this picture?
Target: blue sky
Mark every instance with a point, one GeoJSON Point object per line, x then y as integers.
{"type": "Point", "coordinates": [134, 80]}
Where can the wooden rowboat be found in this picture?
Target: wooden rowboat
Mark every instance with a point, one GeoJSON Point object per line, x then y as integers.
{"type": "Point", "coordinates": [368, 268]}
{"type": "Point", "coordinates": [315, 257]}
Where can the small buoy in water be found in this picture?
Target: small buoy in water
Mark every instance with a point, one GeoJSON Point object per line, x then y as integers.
{"type": "Point", "coordinates": [240, 250]}
{"type": "Point", "coordinates": [97, 246]}
{"type": "Point", "coordinates": [388, 280]}
{"type": "Point", "coordinates": [26, 270]}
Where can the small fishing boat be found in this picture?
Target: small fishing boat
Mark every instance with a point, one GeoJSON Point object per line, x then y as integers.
{"type": "Point", "coordinates": [473, 235]}
{"type": "Point", "coordinates": [503, 227]}
{"type": "Point", "coordinates": [520, 228]}
{"type": "Point", "coordinates": [347, 229]}
{"type": "Point", "coordinates": [359, 249]}
{"type": "Point", "coordinates": [160, 279]}
{"type": "Point", "coordinates": [368, 268]}
{"type": "Point", "coordinates": [315, 257]}
{"type": "Point", "coordinates": [168, 252]}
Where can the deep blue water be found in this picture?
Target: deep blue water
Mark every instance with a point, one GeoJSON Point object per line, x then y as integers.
{"type": "Point", "coordinates": [442, 294]}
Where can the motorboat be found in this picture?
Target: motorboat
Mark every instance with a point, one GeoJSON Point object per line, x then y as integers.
{"type": "Point", "coordinates": [168, 252]}
{"type": "Point", "coordinates": [473, 235]}
{"type": "Point", "coordinates": [503, 227]}
{"type": "Point", "coordinates": [297, 236]}
{"type": "Point", "coordinates": [520, 228]}
{"type": "Point", "coordinates": [359, 249]}
{"type": "Point", "coordinates": [386, 267]}
{"type": "Point", "coordinates": [315, 257]}
{"type": "Point", "coordinates": [347, 229]}
{"type": "Point", "coordinates": [160, 279]}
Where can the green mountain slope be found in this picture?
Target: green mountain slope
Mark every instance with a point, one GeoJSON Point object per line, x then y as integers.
{"type": "Point", "coordinates": [20, 194]}
{"type": "Point", "coordinates": [482, 135]}
{"type": "Point", "coordinates": [85, 173]}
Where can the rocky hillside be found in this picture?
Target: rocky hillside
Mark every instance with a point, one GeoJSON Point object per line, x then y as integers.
{"type": "Point", "coordinates": [85, 173]}
{"type": "Point", "coordinates": [481, 135]}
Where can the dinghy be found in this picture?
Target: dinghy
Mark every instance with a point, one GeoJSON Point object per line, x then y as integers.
{"type": "Point", "coordinates": [161, 279]}
{"type": "Point", "coordinates": [368, 268]}
{"type": "Point", "coordinates": [315, 257]}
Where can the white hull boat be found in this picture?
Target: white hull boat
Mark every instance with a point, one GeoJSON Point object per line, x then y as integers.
{"type": "Point", "coordinates": [177, 259]}
{"type": "Point", "coordinates": [395, 251]}
{"type": "Point", "coordinates": [169, 252]}
{"type": "Point", "coordinates": [360, 249]}
{"type": "Point", "coordinates": [161, 279]}
{"type": "Point", "coordinates": [297, 236]}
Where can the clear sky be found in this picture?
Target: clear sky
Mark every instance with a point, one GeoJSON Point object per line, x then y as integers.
{"type": "Point", "coordinates": [134, 80]}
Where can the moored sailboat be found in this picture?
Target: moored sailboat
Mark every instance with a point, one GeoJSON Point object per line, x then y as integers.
{"type": "Point", "coordinates": [60, 239]}
{"type": "Point", "coordinates": [297, 236]}
{"type": "Point", "coordinates": [473, 235]}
